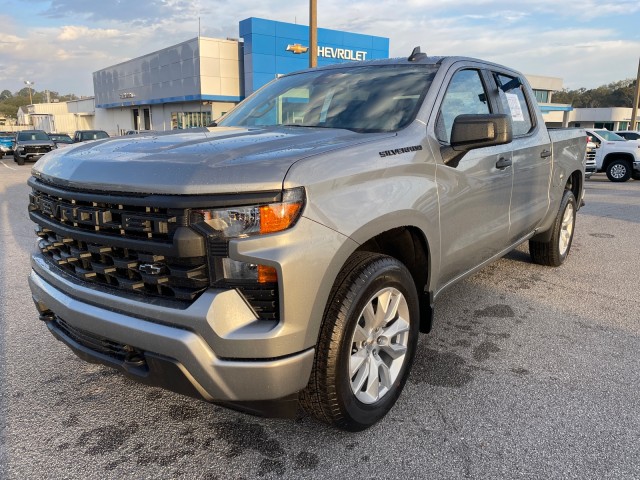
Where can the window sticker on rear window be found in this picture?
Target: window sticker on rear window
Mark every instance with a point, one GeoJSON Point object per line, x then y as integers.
{"type": "Point", "coordinates": [514, 107]}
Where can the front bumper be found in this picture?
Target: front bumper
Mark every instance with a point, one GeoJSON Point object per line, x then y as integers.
{"type": "Point", "coordinates": [165, 355]}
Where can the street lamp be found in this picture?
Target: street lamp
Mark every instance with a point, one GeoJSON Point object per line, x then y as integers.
{"type": "Point", "coordinates": [29, 84]}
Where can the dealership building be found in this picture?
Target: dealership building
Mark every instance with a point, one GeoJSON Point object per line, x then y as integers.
{"type": "Point", "coordinates": [195, 82]}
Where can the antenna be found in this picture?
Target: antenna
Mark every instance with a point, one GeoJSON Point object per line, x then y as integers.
{"type": "Point", "coordinates": [416, 54]}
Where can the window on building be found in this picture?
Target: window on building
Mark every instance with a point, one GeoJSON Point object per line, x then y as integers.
{"type": "Point", "coordinates": [542, 96]}
{"type": "Point", "coordinates": [607, 125]}
{"type": "Point", "coordinates": [182, 120]}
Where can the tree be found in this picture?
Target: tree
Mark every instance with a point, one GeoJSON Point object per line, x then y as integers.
{"type": "Point", "coordinates": [5, 95]}
{"type": "Point", "coordinates": [616, 94]}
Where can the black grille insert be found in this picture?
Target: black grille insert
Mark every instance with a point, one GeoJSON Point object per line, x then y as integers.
{"type": "Point", "coordinates": [130, 221]}
{"type": "Point", "coordinates": [125, 268]}
{"type": "Point", "coordinates": [93, 342]}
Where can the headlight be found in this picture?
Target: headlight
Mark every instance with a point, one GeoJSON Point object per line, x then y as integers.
{"type": "Point", "coordinates": [238, 222]}
{"type": "Point", "coordinates": [222, 224]}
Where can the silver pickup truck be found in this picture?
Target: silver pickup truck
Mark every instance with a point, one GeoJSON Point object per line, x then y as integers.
{"type": "Point", "coordinates": [292, 253]}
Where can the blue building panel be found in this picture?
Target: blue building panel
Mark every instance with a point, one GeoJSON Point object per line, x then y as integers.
{"type": "Point", "coordinates": [289, 64]}
{"type": "Point", "coordinates": [263, 63]}
{"type": "Point", "coordinates": [380, 43]}
{"type": "Point", "coordinates": [355, 40]}
{"type": "Point", "coordinates": [291, 30]}
{"type": "Point", "coordinates": [333, 37]}
{"type": "Point", "coordinates": [266, 54]}
{"type": "Point", "coordinates": [257, 25]}
{"type": "Point", "coordinates": [264, 44]}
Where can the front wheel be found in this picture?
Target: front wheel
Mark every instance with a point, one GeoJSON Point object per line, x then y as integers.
{"type": "Point", "coordinates": [367, 343]}
{"type": "Point", "coordinates": [619, 171]}
{"type": "Point", "coordinates": [554, 252]}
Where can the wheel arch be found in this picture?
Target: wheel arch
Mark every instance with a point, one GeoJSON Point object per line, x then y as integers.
{"type": "Point", "coordinates": [611, 157]}
{"type": "Point", "coordinates": [409, 245]}
{"type": "Point", "coordinates": [575, 183]}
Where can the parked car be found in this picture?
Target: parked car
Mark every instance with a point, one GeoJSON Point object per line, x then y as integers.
{"type": "Point", "coordinates": [86, 135]}
{"type": "Point", "coordinates": [628, 134]}
{"type": "Point", "coordinates": [138, 132]}
{"type": "Point", "coordinates": [6, 144]}
{"type": "Point", "coordinates": [617, 157]}
{"type": "Point", "coordinates": [263, 263]}
{"type": "Point", "coordinates": [60, 139]}
{"type": "Point", "coordinates": [30, 145]}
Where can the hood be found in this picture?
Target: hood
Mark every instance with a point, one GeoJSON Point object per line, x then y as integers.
{"type": "Point", "coordinates": [222, 160]}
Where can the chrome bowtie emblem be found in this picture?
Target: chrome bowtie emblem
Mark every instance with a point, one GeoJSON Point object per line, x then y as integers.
{"type": "Point", "coordinates": [150, 268]}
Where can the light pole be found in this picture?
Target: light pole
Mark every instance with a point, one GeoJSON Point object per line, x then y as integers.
{"type": "Point", "coordinates": [313, 33]}
{"type": "Point", "coordinates": [29, 84]}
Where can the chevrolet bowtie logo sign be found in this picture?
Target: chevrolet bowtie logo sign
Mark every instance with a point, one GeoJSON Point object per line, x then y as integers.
{"type": "Point", "coordinates": [297, 48]}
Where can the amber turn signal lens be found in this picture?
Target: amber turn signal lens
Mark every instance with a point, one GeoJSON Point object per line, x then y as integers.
{"type": "Point", "coordinates": [278, 216]}
{"type": "Point", "coordinates": [267, 274]}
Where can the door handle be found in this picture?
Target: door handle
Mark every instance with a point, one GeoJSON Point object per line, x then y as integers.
{"type": "Point", "coordinates": [503, 163]}
{"type": "Point", "coordinates": [545, 153]}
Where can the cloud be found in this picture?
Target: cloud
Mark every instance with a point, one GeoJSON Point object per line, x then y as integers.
{"type": "Point", "coordinates": [74, 33]}
{"type": "Point", "coordinates": [62, 42]}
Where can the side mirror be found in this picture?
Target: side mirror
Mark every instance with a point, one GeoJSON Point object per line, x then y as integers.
{"type": "Point", "coordinates": [476, 131]}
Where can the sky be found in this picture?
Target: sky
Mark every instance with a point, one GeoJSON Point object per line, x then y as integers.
{"type": "Point", "coordinates": [58, 44]}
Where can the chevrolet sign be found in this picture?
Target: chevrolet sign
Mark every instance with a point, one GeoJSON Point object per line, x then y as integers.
{"type": "Point", "coordinates": [330, 52]}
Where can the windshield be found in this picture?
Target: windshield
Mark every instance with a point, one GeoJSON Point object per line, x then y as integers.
{"type": "Point", "coordinates": [610, 136]}
{"type": "Point", "coordinates": [363, 99]}
{"type": "Point", "coordinates": [94, 135]}
{"type": "Point", "coordinates": [32, 136]}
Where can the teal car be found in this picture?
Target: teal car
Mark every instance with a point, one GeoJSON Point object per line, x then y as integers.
{"type": "Point", "coordinates": [6, 144]}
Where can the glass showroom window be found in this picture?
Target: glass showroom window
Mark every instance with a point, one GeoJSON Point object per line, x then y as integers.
{"type": "Point", "coordinates": [182, 120]}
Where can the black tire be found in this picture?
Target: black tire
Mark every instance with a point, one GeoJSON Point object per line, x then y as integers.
{"type": "Point", "coordinates": [365, 281]}
{"type": "Point", "coordinates": [635, 175]}
{"type": "Point", "coordinates": [554, 252]}
{"type": "Point", "coordinates": [619, 171]}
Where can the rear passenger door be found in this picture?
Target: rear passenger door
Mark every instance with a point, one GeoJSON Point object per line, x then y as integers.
{"type": "Point", "coordinates": [474, 194]}
{"type": "Point", "coordinates": [531, 154]}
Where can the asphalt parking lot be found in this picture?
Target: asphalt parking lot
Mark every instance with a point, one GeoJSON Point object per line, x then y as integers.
{"type": "Point", "coordinates": [530, 372]}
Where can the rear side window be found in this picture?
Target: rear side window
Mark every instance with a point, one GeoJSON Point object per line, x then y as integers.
{"type": "Point", "coordinates": [514, 103]}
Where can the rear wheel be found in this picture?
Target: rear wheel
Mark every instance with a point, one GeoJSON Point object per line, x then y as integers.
{"type": "Point", "coordinates": [619, 171]}
{"type": "Point", "coordinates": [554, 252]}
{"type": "Point", "coordinates": [367, 343]}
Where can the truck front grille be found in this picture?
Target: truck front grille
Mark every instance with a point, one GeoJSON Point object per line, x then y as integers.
{"type": "Point", "coordinates": [37, 149]}
{"type": "Point", "coordinates": [128, 221]}
{"type": "Point", "coordinates": [120, 242]}
{"type": "Point", "coordinates": [126, 268]}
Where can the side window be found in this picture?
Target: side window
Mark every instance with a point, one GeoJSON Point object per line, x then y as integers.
{"type": "Point", "coordinates": [514, 103]}
{"type": "Point", "coordinates": [465, 95]}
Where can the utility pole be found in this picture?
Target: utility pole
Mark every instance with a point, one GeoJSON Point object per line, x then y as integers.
{"type": "Point", "coordinates": [313, 33]}
{"type": "Point", "coordinates": [636, 99]}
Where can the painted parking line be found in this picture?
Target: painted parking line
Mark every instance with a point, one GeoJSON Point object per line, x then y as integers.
{"type": "Point", "coordinates": [10, 168]}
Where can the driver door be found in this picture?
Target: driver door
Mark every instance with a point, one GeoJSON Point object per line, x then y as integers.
{"type": "Point", "coordinates": [475, 193]}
